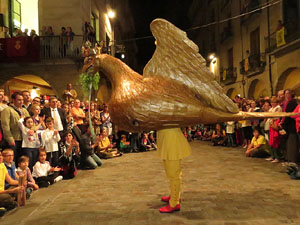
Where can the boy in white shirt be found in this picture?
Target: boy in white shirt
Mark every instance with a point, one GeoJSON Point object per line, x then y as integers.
{"type": "Point", "coordinates": [42, 169]}
{"type": "Point", "coordinates": [50, 139]}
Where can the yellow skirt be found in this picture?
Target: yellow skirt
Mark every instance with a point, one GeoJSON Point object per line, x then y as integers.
{"type": "Point", "coordinates": [172, 145]}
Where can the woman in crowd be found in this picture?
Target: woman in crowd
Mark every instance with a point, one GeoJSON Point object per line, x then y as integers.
{"type": "Point", "coordinates": [288, 129]}
{"type": "Point", "coordinates": [69, 117]}
{"type": "Point", "coordinates": [70, 155]}
{"type": "Point", "coordinates": [94, 112]}
{"type": "Point", "coordinates": [37, 120]}
{"type": "Point", "coordinates": [106, 120]}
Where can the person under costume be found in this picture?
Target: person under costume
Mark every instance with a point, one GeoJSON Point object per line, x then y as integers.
{"type": "Point", "coordinates": [175, 90]}
{"type": "Point", "coordinates": [172, 147]}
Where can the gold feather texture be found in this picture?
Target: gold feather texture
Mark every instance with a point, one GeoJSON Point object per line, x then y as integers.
{"type": "Point", "coordinates": [177, 89]}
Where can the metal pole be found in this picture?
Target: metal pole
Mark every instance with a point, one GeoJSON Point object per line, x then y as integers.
{"type": "Point", "coordinates": [269, 47]}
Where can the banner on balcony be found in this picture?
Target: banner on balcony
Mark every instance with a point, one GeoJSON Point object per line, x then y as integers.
{"type": "Point", "coordinates": [16, 47]}
{"type": "Point", "coordinates": [280, 41]}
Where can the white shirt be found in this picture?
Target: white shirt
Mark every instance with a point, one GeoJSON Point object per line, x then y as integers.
{"type": "Point", "coordinates": [29, 141]}
{"type": "Point", "coordinates": [277, 108]}
{"type": "Point", "coordinates": [50, 141]}
{"type": "Point", "coordinates": [41, 169]}
{"type": "Point", "coordinates": [230, 127]}
{"type": "Point", "coordinates": [57, 120]}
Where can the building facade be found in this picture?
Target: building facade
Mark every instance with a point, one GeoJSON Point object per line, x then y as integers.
{"type": "Point", "coordinates": [252, 46]}
{"type": "Point", "coordinates": [59, 60]}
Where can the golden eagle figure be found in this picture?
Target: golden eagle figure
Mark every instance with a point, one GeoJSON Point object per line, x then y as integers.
{"type": "Point", "coordinates": [176, 89]}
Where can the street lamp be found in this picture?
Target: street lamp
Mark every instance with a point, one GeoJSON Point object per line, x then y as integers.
{"type": "Point", "coordinates": [111, 14]}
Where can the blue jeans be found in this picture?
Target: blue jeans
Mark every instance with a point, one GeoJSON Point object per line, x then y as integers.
{"type": "Point", "coordinates": [92, 161]}
{"type": "Point", "coordinates": [32, 154]}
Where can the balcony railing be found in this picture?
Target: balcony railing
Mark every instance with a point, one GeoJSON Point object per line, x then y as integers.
{"type": "Point", "coordinates": [278, 41]}
{"type": "Point", "coordinates": [226, 34]}
{"type": "Point", "coordinates": [256, 65]}
{"type": "Point", "coordinates": [52, 47]}
{"type": "Point", "coordinates": [228, 75]}
{"type": "Point", "coordinates": [248, 7]}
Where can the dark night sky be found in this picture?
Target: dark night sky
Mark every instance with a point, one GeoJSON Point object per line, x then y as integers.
{"type": "Point", "coordinates": [145, 11]}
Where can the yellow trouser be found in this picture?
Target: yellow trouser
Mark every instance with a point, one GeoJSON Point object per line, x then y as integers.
{"type": "Point", "coordinates": [173, 172]}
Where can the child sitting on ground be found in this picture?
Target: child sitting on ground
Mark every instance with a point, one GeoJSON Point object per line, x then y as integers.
{"type": "Point", "coordinates": [23, 170]}
{"type": "Point", "coordinates": [206, 134]}
{"type": "Point", "coordinates": [43, 173]}
{"type": "Point", "coordinates": [105, 149]}
{"type": "Point", "coordinates": [258, 146]}
{"type": "Point", "coordinates": [145, 143]}
{"type": "Point", "coordinates": [124, 144]}
{"type": "Point", "coordinates": [152, 140]}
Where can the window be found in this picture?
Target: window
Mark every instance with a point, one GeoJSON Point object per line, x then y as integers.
{"type": "Point", "coordinates": [255, 42]}
{"type": "Point", "coordinates": [16, 13]}
{"type": "Point", "coordinates": [95, 24]}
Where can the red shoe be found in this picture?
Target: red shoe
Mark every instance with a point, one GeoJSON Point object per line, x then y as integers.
{"type": "Point", "coordinates": [169, 209]}
{"type": "Point", "coordinates": [167, 199]}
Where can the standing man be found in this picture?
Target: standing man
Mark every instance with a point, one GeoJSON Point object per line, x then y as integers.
{"type": "Point", "coordinates": [69, 94]}
{"type": "Point", "coordinates": [9, 123]}
{"type": "Point", "coordinates": [27, 99]}
{"type": "Point", "coordinates": [58, 114]}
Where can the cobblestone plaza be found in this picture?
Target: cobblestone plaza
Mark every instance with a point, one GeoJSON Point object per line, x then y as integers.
{"type": "Point", "coordinates": [220, 187]}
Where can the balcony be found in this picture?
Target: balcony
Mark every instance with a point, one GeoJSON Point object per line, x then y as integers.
{"type": "Point", "coordinates": [28, 49]}
{"type": "Point", "coordinates": [228, 76]}
{"type": "Point", "coordinates": [249, 6]}
{"type": "Point", "coordinates": [256, 65]}
{"type": "Point", "coordinates": [283, 44]}
{"type": "Point", "coordinates": [226, 34]}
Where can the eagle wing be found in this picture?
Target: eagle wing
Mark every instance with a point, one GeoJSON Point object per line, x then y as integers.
{"type": "Point", "coordinates": [176, 57]}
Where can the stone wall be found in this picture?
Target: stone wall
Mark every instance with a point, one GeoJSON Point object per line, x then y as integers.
{"type": "Point", "coordinates": [56, 75]}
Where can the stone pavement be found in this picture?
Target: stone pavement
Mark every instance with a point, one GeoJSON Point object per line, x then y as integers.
{"type": "Point", "coordinates": [220, 187]}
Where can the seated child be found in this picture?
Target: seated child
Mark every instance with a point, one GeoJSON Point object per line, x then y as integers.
{"type": "Point", "coordinates": [7, 200]}
{"type": "Point", "coordinates": [105, 149]}
{"type": "Point", "coordinates": [8, 156]}
{"type": "Point", "coordinates": [124, 144]}
{"type": "Point", "coordinates": [206, 134]}
{"type": "Point", "coordinates": [23, 170]}
{"type": "Point", "coordinates": [152, 140]}
{"type": "Point", "coordinates": [111, 140]}
{"type": "Point", "coordinates": [258, 146]}
{"type": "Point", "coordinates": [198, 134]}
{"type": "Point", "coordinates": [145, 143]}
{"type": "Point", "coordinates": [219, 136]}
{"type": "Point", "coordinates": [43, 173]}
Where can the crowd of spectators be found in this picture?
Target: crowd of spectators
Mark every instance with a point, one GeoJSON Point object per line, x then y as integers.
{"type": "Point", "coordinates": [45, 140]}
{"type": "Point", "coordinates": [277, 139]}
